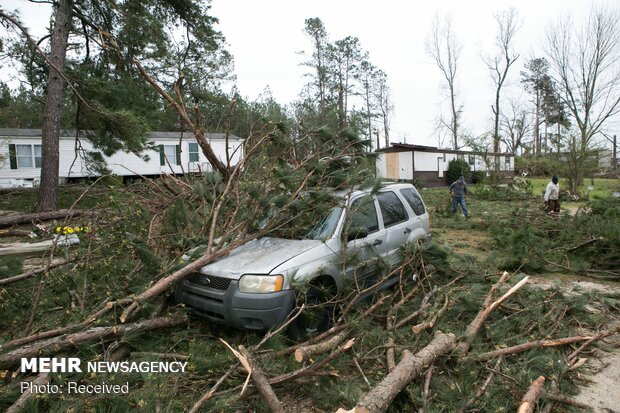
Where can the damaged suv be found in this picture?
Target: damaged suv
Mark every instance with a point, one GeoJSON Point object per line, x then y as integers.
{"type": "Point", "coordinates": [256, 286]}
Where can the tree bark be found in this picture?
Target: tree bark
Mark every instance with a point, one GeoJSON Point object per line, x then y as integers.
{"type": "Point", "coordinates": [261, 383]}
{"type": "Point", "coordinates": [544, 343]}
{"type": "Point", "coordinates": [528, 402]}
{"type": "Point", "coordinates": [18, 406]}
{"type": "Point", "coordinates": [48, 189]}
{"type": "Point", "coordinates": [58, 344]}
{"type": "Point", "coordinates": [410, 366]}
{"type": "Point", "coordinates": [304, 353]}
{"type": "Point", "coordinates": [474, 326]}
{"type": "Point", "coordinates": [19, 219]}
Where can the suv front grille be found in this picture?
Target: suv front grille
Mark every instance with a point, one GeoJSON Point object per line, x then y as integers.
{"type": "Point", "coordinates": [210, 281]}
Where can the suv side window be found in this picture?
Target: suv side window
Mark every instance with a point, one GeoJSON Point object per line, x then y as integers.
{"type": "Point", "coordinates": [364, 214]}
{"type": "Point", "coordinates": [392, 210]}
{"type": "Point", "coordinates": [414, 200]}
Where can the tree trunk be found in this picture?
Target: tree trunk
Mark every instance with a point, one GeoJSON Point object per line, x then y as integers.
{"type": "Point", "coordinates": [530, 398]}
{"type": "Point", "coordinates": [19, 219]}
{"type": "Point", "coordinates": [496, 121]}
{"type": "Point", "coordinates": [411, 366]}
{"type": "Point", "coordinates": [261, 383]}
{"type": "Point", "coordinates": [61, 343]}
{"type": "Point", "coordinates": [48, 190]}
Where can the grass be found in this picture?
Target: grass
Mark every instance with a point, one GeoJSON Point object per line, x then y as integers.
{"type": "Point", "coordinates": [602, 187]}
{"type": "Point", "coordinates": [24, 199]}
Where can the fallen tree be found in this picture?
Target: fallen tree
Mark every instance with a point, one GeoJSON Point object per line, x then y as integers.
{"type": "Point", "coordinates": [20, 219]}
{"type": "Point", "coordinates": [65, 342]}
{"type": "Point", "coordinates": [410, 366]}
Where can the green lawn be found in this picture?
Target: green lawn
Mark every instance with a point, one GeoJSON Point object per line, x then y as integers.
{"type": "Point", "coordinates": [602, 187]}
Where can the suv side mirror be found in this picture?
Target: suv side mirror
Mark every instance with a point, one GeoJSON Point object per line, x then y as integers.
{"type": "Point", "coordinates": [356, 233]}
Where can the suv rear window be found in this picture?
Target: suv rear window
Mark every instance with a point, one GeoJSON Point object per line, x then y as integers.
{"type": "Point", "coordinates": [414, 200]}
{"type": "Point", "coordinates": [392, 210]}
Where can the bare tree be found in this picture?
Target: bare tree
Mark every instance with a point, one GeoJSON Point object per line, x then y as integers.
{"type": "Point", "coordinates": [585, 62]}
{"type": "Point", "coordinates": [508, 24]}
{"type": "Point", "coordinates": [515, 124]}
{"type": "Point", "coordinates": [385, 105]}
{"type": "Point", "coordinates": [442, 46]}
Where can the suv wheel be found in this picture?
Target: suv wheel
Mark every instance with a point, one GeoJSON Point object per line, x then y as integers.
{"type": "Point", "coordinates": [318, 315]}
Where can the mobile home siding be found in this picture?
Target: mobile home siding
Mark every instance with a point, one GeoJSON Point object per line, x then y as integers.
{"type": "Point", "coordinates": [406, 162]}
{"type": "Point", "coordinates": [72, 165]}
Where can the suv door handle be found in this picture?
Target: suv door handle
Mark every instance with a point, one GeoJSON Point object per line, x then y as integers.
{"type": "Point", "coordinates": [407, 230]}
{"type": "Point", "coordinates": [376, 242]}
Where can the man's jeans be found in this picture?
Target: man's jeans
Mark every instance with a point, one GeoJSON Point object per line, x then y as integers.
{"type": "Point", "coordinates": [459, 200]}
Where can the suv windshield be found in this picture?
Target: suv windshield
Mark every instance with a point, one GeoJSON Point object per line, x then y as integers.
{"type": "Point", "coordinates": [325, 228]}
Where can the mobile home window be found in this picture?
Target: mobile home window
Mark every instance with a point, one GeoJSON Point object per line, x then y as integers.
{"type": "Point", "coordinates": [193, 151]}
{"type": "Point", "coordinates": [471, 160]}
{"type": "Point", "coordinates": [25, 156]}
{"type": "Point", "coordinates": [169, 152]}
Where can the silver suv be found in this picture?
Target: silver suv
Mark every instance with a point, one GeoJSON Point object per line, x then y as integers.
{"type": "Point", "coordinates": [255, 286]}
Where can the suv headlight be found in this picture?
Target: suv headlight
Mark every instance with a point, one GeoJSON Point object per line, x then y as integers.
{"type": "Point", "coordinates": [253, 283]}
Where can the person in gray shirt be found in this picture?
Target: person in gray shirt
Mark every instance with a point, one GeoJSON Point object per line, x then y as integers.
{"type": "Point", "coordinates": [458, 190]}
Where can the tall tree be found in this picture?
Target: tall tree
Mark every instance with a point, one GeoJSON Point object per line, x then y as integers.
{"type": "Point", "coordinates": [316, 30]}
{"type": "Point", "coordinates": [507, 26]}
{"type": "Point", "coordinates": [536, 81]}
{"type": "Point", "coordinates": [124, 31]}
{"type": "Point", "coordinates": [345, 59]}
{"type": "Point", "coordinates": [443, 47]}
{"type": "Point", "coordinates": [385, 105]}
{"type": "Point", "coordinates": [48, 189]}
{"type": "Point", "coordinates": [585, 61]}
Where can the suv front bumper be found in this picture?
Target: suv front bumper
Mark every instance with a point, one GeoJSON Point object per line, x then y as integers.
{"type": "Point", "coordinates": [234, 308]}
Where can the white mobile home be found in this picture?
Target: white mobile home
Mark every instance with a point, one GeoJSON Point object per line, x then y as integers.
{"type": "Point", "coordinates": [174, 153]}
{"type": "Point", "coordinates": [405, 162]}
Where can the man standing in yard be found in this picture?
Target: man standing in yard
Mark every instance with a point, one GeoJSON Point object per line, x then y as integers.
{"type": "Point", "coordinates": [458, 190]}
{"type": "Point", "coordinates": [552, 196]}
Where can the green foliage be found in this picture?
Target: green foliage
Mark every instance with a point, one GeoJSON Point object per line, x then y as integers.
{"type": "Point", "coordinates": [537, 166]}
{"type": "Point", "coordinates": [457, 168]}
{"type": "Point", "coordinates": [10, 266]}
{"type": "Point", "coordinates": [477, 177]}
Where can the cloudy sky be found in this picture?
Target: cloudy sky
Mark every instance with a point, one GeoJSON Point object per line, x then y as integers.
{"type": "Point", "coordinates": [265, 38]}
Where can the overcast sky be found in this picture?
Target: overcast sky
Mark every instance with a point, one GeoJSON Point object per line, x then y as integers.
{"type": "Point", "coordinates": [265, 38]}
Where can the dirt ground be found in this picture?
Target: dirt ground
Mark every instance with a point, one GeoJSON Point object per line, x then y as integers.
{"type": "Point", "coordinates": [601, 371]}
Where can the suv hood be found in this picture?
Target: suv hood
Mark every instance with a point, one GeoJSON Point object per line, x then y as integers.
{"type": "Point", "coordinates": [258, 257]}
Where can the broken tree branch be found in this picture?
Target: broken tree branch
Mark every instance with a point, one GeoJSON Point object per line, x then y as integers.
{"type": "Point", "coordinates": [65, 330]}
{"type": "Point", "coordinates": [528, 402]}
{"type": "Point", "coordinates": [410, 366]}
{"type": "Point", "coordinates": [543, 343]}
{"type": "Point", "coordinates": [306, 352]}
{"type": "Point", "coordinates": [32, 273]}
{"type": "Point", "coordinates": [18, 406]}
{"type": "Point", "coordinates": [426, 389]}
{"type": "Point", "coordinates": [565, 400]}
{"type": "Point", "coordinates": [482, 388]}
{"type": "Point", "coordinates": [261, 383]}
{"type": "Point", "coordinates": [417, 329]}
{"type": "Point", "coordinates": [19, 219]}
{"type": "Point", "coordinates": [476, 324]}
{"type": "Point", "coordinates": [64, 342]}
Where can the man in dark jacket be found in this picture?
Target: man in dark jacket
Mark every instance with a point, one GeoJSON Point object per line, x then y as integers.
{"type": "Point", "coordinates": [458, 189]}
